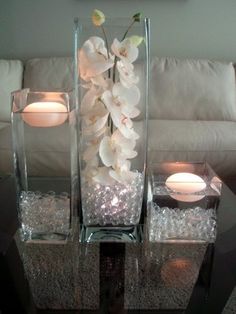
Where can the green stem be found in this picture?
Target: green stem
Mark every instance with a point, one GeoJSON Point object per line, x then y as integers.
{"type": "Point", "coordinates": [125, 34]}
{"type": "Point", "coordinates": [106, 41]}
{"type": "Point", "coordinates": [110, 122]}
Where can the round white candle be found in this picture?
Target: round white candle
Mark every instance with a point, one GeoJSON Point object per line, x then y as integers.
{"type": "Point", "coordinates": [45, 114]}
{"type": "Point", "coordinates": [187, 184]}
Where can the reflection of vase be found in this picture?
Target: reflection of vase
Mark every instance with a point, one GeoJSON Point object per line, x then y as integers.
{"type": "Point", "coordinates": [44, 134]}
{"type": "Point", "coordinates": [112, 94]}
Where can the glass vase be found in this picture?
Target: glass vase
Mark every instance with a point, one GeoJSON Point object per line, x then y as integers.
{"type": "Point", "coordinates": [45, 164]}
{"type": "Point", "coordinates": [111, 83]}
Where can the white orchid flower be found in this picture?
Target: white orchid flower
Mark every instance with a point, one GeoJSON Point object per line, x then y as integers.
{"type": "Point", "coordinates": [92, 149]}
{"type": "Point", "coordinates": [89, 99]}
{"type": "Point", "coordinates": [95, 120]}
{"type": "Point", "coordinates": [122, 122]}
{"type": "Point", "coordinates": [127, 75]}
{"type": "Point", "coordinates": [122, 100]}
{"type": "Point", "coordinates": [101, 81]}
{"type": "Point", "coordinates": [122, 173]}
{"type": "Point", "coordinates": [113, 149]}
{"type": "Point", "coordinates": [125, 50]}
{"type": "Point", "coordinates": [128, 98]}
{"type": "Point", "coordinates": [103, 177]}
{"type": "Point", "coordinates": [90, 170]}
{"type": "Point", "coordinates": [92, 143]}
{"type": "Point", "coordinates": [93, 59]}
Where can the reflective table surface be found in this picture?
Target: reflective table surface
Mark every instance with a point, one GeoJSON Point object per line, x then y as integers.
{"type": "Point", "coordinates": [117, 277]}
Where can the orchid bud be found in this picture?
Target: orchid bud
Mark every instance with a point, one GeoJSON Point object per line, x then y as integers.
{"type": "Point", "coordinates": [136, 40]}
{"type": "Point", "coordinates": [137, 17]}
{"type": "Point", "coordinates": [98, 17]}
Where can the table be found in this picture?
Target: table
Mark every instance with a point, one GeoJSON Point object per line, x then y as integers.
{"type": "Point", "coordinates": [116, 277]}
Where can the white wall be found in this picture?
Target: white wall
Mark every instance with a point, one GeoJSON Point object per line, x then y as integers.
{"type": "Point", "coordinates": [181, 28]}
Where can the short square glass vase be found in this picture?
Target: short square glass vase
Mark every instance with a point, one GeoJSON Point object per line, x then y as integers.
{"type": "Point", "coordinates": [183, 202]}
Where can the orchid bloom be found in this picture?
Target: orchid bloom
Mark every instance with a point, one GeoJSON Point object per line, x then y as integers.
{"type": "Point", "coordinates": [115, 148]}
{"type": "Point", "coordinates": [91, 169]}
{"type": "Point", "coordinates": [95, 120]}
{"type": "Point", "coordinates": [122, 173]}
{"type": "Point", "coordinates": [103, 177]}
{"type": "Point", "coordinates": [93, 59]}
{"type": "Point", "coordinates": [125, 50]}
{"type": "Point", "coordinates": [92, 149]}
{"type": "Point", "coordinates": [117, 107]}
{"type": "Point", "coordinates": [127, 75]}
{"type": "Point", "coordinates": [122, 100]}
{"type": "Point", "coordinates": [89, 99]}
{"type": "Point", "coordinates": [127, 98]}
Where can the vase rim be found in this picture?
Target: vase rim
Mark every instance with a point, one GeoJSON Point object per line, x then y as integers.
{"type": "Point", "coordinates": [88, 19]}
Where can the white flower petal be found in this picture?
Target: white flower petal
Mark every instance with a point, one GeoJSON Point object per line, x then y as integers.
{"type": "Point", "coordinates": [128, 133]}
{"type": "Point", "coordinates": [97, 126]}
{"type": "Point", "coordinates": [88, 101]}
{"type": "Point", "coordinates": [93, 59]}
{"type": "Point", "coordinates": [90, 152]}
{"type": "Point", "coordinates": [100, 81]}
{"type": "Point", "coordinates": [112, 107]}
{"type": "Point", "coordinates": [90, 170]}
{"type": "Point", "coordinates": [130, 112]}
{"type": "Point", "coordinates": [123, 177]}
{"type": "Point", "coordinates": [127, 76]}
{"type": "Point", "coordinates": [106, 152]}
{"type": "Point", "coordinates": [125, 143]}
{"type": "Point", "coordinates": [103, 177]}
{"type": "Point", "coordinates": [100, 132]}
{"type": "Point", "coordinates": [129, 96]}
{"type": "Point", "coordinates": [125, 50]}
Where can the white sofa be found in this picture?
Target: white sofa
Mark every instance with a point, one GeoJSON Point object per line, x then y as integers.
{"type": "Point", "coordinates": [192, 110]}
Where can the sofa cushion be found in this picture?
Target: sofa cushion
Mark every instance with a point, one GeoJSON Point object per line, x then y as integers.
{"type": "Point", "coordinates": [49, 74]}
{"type": "Point", "coordinates": [47, 156]}
{"type": "Point", "coordinates": [178, 140]}
{"type": "Point", "coordinates": [192, 90]}
{"type": "Point", "coordinates": [11, 72]}
{"type": "Point", "coordinates": [182, 140]}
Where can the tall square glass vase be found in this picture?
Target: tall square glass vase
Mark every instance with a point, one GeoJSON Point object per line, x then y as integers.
{"type": "Point", "coordinates": [45, 164]}
{"type": "Point", "coordinates": [111, 82]}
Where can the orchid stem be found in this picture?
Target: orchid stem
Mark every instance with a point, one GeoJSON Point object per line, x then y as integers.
{"type": "Point", "coordinates": [106, 41]}
{"type": "Point", "coordinates": [125, 34]}
{"type": "Point", "coordinates": [110, 122]}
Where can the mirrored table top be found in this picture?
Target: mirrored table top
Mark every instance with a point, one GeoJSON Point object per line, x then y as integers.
{"type": "Point", "coordinates": [114, 277]}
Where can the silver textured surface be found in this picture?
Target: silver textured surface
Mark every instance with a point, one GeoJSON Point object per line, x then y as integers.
{"type": "Point", "coordinates": [153, 279]}
{"type": "Point", "coordinates": [62, 276]}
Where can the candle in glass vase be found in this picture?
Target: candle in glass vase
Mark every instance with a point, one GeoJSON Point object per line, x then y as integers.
{"type": "Point", "coordinates": [184, 185]}
{"type": "Point", "coordinates": [45, 114]}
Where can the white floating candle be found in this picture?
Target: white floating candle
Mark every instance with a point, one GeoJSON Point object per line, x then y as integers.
{"type": "Point", "coordinates": [45, 114]}
{"type": "Point", "coordinates": [185, 185]}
